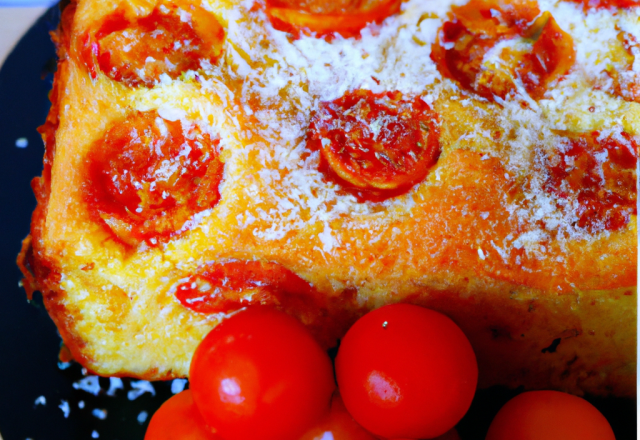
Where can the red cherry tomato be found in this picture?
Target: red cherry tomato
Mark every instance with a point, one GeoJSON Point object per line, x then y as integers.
{"type": "Point", "coordinates": [260, 375]}
{"type": "Point", "coordinates": [549, 415]}
{"type": "Point", "coordinates": [406, 372]}
{"type": "Point", "coordinates": [178, 419]}
{"type": "Point", "coordinates": [337, 425]}
{"type": "Point", "coordinates": [449, 435]}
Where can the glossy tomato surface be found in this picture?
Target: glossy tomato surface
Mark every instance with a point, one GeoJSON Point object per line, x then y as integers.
{"type": "Point", "coordinates": [406, 372]}
{"type": "Point", "coordinates": [260, 375]}
{"type": "Point", "coordinates": [178, 419]}
{"type": "Point", "coordinates": [338, 424]}
{"type": "Point", "coordinates": [549, 415]}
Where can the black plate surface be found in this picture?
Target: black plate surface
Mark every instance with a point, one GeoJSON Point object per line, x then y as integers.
{"type": "Point", "coordinates": [29, 343]}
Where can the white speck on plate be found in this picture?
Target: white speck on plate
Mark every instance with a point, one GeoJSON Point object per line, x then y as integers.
{"type": "Point", "coordinates": [177, 386]}
{"type": "Point", "coordinates": [99, 413]}
{"type": "Point", "coordinates": [142, 417]}
{"type": "Point", "coordinates": [22, 142]}
{"type": "Point", "coordinates": [115, 383]}
{"type": "Point", "coordinates": [90, 384]}
{"type": "Point", "coordinates": [139, 388]}
{"type": "Point", "coordinates": [64, 406]}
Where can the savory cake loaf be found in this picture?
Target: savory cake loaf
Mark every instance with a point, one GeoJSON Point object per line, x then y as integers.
{"type": "Point", "coordinates": [478, 158]}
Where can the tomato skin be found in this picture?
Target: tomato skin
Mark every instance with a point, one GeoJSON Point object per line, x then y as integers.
{"type": "Point", "coordinates": [260, 375]}
{"type": "Point", "coordinates": [549, 415]}
{"type": "Point", "coordinates": [604, 4]}
{"type": "Point", "coordinates": [178, 419]}
{"type": "Point", "coordinates": [475, 29]}
{"type": "Point", "coordinates": [606, 193]}
{"type": "Point", "coordinates": [147, 176]}
{"type": "Point", "coordinates": [406, 372]}
{"type": "Point", "coordinates": [170, 39]}
{"type": "Point", "coordinates": [324, 18]}
{"type": "Point", "coordinates": [375, 145]}
{"type": "Point", "coordinates": [449, 435]}
{"type": "Point", "coordinates": [339, 424]}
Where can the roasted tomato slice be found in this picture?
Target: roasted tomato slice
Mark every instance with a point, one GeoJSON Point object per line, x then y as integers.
{"type": "Point", "coordinates": [375, 145]}
{"type": "Point", "coordinates": [137, 50]}
{"type": "Point", "coordinates": [344, 17]}
{"type": "Point", "coordinates": [148, 176]}
{"type": "Point", "coordinates": [597, 176]}
{"type": "Point", "coordinates": [625, 81]}
{"type": "Point", "coordinates": [225, 287]}
{"type": "Point", "coordinates": [532, 51]}
{"type": "Point", "coordinates": [605, 4]}
{"type": "Point", "coordinates": [232, 285]}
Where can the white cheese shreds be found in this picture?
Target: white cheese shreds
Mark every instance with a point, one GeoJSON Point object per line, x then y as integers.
{"type": "Point", "coordinates": [64, 406]}
{"type": "Point", "coordinates": [99, 413]}
{"type": "Point", "coordinates": [139, 388]}
{"type": "Point", "coordinates": [392, 56]}
{"type": "Point", "coordinates": [171, 113]}
{"type": "Point", "coordinates": [90, 384]}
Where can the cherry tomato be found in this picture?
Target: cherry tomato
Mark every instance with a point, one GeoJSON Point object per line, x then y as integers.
{"type": "Point", "coordinates": [346, 17]}
{"type": "Point", "coordinates": [375, 142]}
{"type": "Point", "coordinates": [337, 425]}
{"type": "Point", "coordinates": [406, 372]}
{"type": "Point", "coordinates": [178, 419]}
{"type": "Point", "coordinates": [449, 435]}
{"type": "Point", "coordinates": [136, 50]}
{"type": "Point", "coordinates": [147, 176]}
{"type": "Point", "coordinates": [260, 375]}
{"type": "Point", "coordinates": [604, 4]}
{"type": "Point", "coordinates": [479, 27]}
{"type": "Point", "coordinates": [549, 415]}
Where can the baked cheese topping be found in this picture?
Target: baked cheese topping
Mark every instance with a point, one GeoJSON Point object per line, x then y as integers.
{"type": "Point", "coordinates": [558, 112]}
{"type": "Point", "coordinates": [245, 142]}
